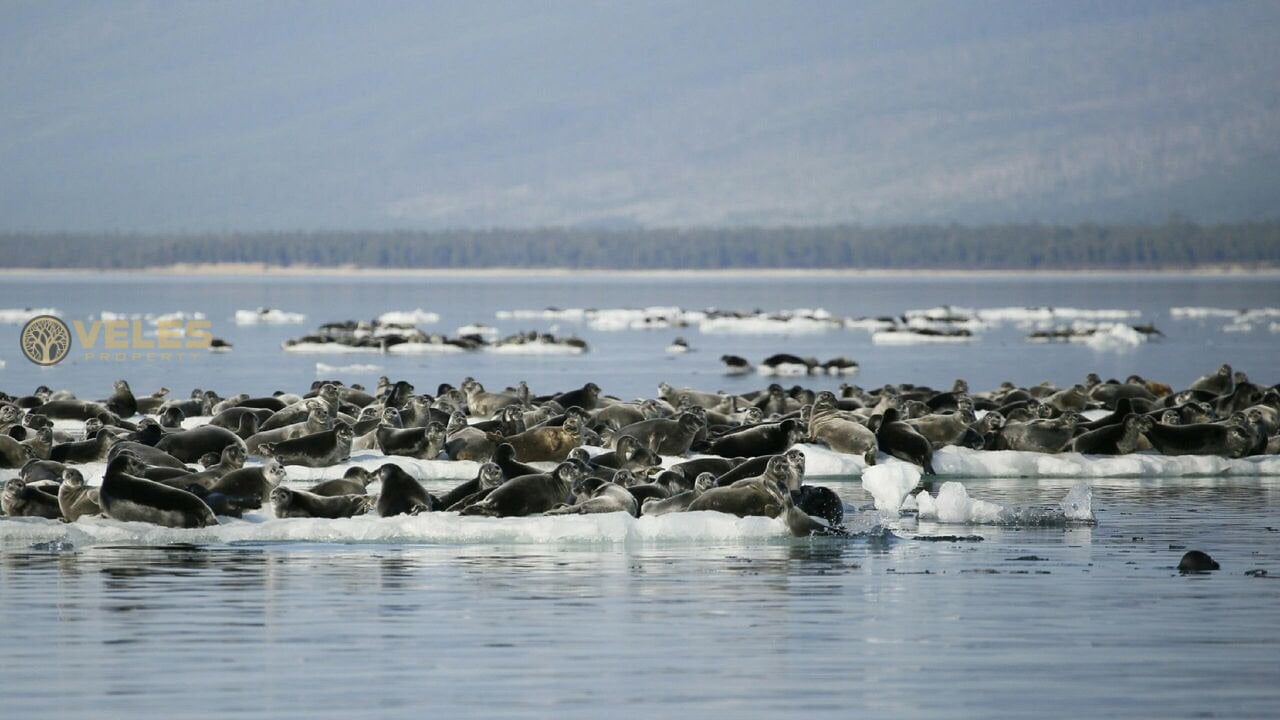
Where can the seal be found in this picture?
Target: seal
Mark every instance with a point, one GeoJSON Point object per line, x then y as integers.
{"type": "Point", "coordinates": [546, 444]}
{"type": "Point", "coordinates": [37, 470]}
{"type": "Point", "coordinates": [767, 439]}
{"type": "Point", "coordinates": [679, 502]}
{"type": "Point", "coordinates": [586, 397]}
{"type": "Point", "coordinates": [287, 503]}
{"type": "Point", "coordinates": [464, 442]}
{"type": "Point", "coordinates": [900, 440]}
{"type": "Point", "coordinates": [126, 497]}
{"type": "Point", "coordinates": [840, 430]}
{"type": "Point", "coordinates": [736, 365]}
{"type": "Point", "coordinates": [21, 499]}
{"type": "Point", "coordinates": [628, 454]}
{"type": "Point", "coordinates": [122, 402]}
{"type": "Point", "coordinates": [75, 498]}
{"type": "Point", "coordinates": [94, 449]}
{"type": "Point", "coordinates": [593, 496]}
{"type": "Point", "coordinates": [530, 494]}
{"type": "Point", "coordinates": [317, 420]}
{"type": "Point", "coordinates": [1044, 436]}
{"type": "Point", "coordinates": [189, 445]}
{"type": "Point", "coordinates": [355, 481]}
{"type": "Point", "coordinates": [664, 436]}
{"type": "Point", "coordinates": [424, 443]}
{"type": "Point", "coordinates": [761, 495]}
{"type": "Point", "coordinates": [320, 449]}
{"type": "Point", "coordinates": [505, 458]}
{"type": "Point", "coordinates": [13, 454]}
{"type": "Point", "coordinates": [1220, 382]}
{"type": "Point", "coordinates": [232, 417]}
{"type": "Point", "coordinates": [1196, 561]}
{"type": "Point", "coordinates": [488, 477]}
{"type": "Point", "coordinates": [1231, 441]}
{"type": "Point", "coordinates": [401, 493]}
{"type": "Point", "coordinates": [251, 485]}
{"type": "Point", "coordinates": [326, 398]}
{"type": "Point", "coordinates": [1120, 439]}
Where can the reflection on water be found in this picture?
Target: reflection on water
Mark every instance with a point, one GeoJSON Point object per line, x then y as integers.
{"type": "Point", "coordinates": [1081, 621]}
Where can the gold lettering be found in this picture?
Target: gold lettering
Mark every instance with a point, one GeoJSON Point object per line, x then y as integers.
{"type": "Point", "coordinates": [87, 339]}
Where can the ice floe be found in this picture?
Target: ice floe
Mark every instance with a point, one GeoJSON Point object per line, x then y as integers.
{"type": "Point", "coordinates": [268, 316]}
{"type": "Point", "coordinates": [408, 317]}
{"type": "Point", "coordinates": [322, 368]}
{"type": "Point", "coordinates": [18, 316]}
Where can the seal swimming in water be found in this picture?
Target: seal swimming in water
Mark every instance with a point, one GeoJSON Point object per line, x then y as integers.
{"type": "Point", "coordinates": [287, 503]}
{"type": "Point", "coordinates": [75, 498]}
{"type": "Point", "coordinates": [1196, 561]}
{"type": "Point", "coordinates": [126, 497]}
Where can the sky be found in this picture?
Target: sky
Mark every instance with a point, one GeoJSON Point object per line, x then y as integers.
{"type": "Point", "coordinates": [248, 116]}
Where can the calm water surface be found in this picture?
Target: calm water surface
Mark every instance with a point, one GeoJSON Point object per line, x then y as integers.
{"type": "Point", "coordinates": [1088, 621]}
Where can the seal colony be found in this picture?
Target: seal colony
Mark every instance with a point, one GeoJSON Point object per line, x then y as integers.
{"type": "Point", "coordinates": [185, 462]}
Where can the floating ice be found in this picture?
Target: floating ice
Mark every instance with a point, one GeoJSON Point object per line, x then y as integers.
{"type": "Point", "coordinates": [954, 461]}
{"type": "Point", "coordinates": [268, 316]}
{"type": "Point", "coordinates": [152, 318]}
{"type": "Point", "coordinates": [408, 317]}
{"type": "Point", "coordinates": [328, 347]}
{"type": "Point", "coordinates": [18, 316]}
{"type": "Point", "coordinates": [890, 485]}
{"type": "Point", "coordinates": [1115, 336]}
{"type": "Point", "coordinates": [1078, 503]}
{"type": "Point", "coordinates": [424, 348]}
{"type": "Point", "coordinates": [488, 332]}
{"type": "Point", "coordinates": [536, 347]}
{"type": "Point", "coordinates": [1238, 327]}
{"type": "Point", "coordinates": [322, 368]}
{"type": "Point", "coordinates": [911, 337]}
{"type": "Point", "coordinates": [1242, 314]}
{"type": "Point", "coordinates": [1050, 314]}
{"type": "Point", "coordinates": [953, 505]}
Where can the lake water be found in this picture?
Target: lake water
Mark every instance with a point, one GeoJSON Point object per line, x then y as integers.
{"type": "Point", "coordinates": [1059, 621]}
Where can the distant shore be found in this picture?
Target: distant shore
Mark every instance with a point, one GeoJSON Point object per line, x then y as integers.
{"type": "Point", "coordinates": [257, 269]}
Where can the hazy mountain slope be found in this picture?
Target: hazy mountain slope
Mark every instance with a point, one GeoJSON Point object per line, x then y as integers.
{"type": "Point", "coordinates": [207, 116]}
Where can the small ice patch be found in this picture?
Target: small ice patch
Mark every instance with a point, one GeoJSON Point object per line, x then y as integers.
{"type": "Point", "coordinates": [268, 316]}
{"type": "Point", "coordinates": [889, 485]}
{"type": "Point", "coordinates": [408, 317]}
{"type": "Point", "coordinates": [18, 316]}
{"type": "Point", "coordinates": [322, 368]}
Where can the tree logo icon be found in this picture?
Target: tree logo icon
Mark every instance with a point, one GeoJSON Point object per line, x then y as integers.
{"type": "Point", "coordinates": [46, 340]}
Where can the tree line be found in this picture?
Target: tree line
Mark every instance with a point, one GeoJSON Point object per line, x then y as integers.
{"type": "Point", "coordinates": [1175, 244]}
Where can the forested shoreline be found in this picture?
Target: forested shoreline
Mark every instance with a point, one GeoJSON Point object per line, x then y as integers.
{"type": "Point", "coordinates": [1172, 245]}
